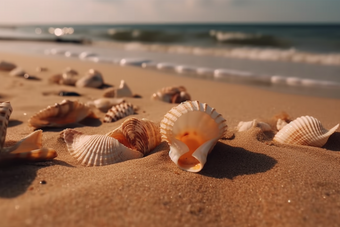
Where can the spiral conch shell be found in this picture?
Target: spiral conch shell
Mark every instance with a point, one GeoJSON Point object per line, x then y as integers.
{"type": "Point", "coordinates": [29, 148]}
{"type": "Point", "coordinates": [305, 130]}
{"type": "Point", "coordinates": [61, 114]}
{"type": "Point", "coordinates": [172, 94]}
{"type": "Point", "coordinates": [133, 139]}
{"type": "Point", "coordinates": [192, 129]}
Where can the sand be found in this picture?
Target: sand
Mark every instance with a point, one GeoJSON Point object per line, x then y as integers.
{"type": "Point", "coordinates": [247, 180]}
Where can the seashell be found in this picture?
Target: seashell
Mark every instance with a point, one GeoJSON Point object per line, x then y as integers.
{"type": "Point", "coordinates": [118, 112]}
{"type": "Point", "coordinates": [192, 129]}
{"type": "Point", "coordinates": [280, 124]}
{"type": "Point", "coordinates": [97, 150]}
{"type": "Point", "coordinates": [93, 79]}
{"type": "Point", "coordinates": [55, 78]}
{"type": "Point", "coordinates": [141, 135]}
{"type": "Point", "coordinates": [17, 72]}
{"type": "Point", "coordinates": [70, 71]}
{"type": "Point", "coordinates": [172, 94]}
{"type": "Point", "coordinates": [61, 114]}
{"type": "Point", "coordinates": [123, 90]}
{"type": "Point", "coordinates": [7, 66]}
{"type": "Point", "coordinates": [246, 125]}
{"type": "Point", "coordinates": [109, 92]}
{"type": "Point", "coordinates": [104, 104]}
{"type": "Point", "coordinates": [29, 148]}
{"type": "Point", "coordinates": [68, 79]}
{"type": "Point", "coordinates": [304, 130]}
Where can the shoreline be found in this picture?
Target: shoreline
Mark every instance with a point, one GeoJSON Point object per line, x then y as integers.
{"type": "Point", "coordinates": [247, 180]}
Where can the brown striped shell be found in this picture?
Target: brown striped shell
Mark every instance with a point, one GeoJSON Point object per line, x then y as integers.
{"type": "Point", "coordinates": [141, 135]}
{"type": "Point", "coordinates": [305, 130]}
{"type": "Point", "coordinates": [61, 114]}
{"type": "Point", "coordinates": [93, 79]}
{"type": "Point", "coordinates": [118, 112]}
{"type": "Point", "coordinates": [97, 150]}
{"type": "Point", "coordinates": [192, 129]}
{"type": "Point", "coordinates": [172, 94]}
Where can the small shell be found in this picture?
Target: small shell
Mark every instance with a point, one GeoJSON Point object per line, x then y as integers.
{"type": "Point", "coordinates": [70, 71]}
{"type": "Point", "coordinates": [280, 124]}
{"type": "Point", "coordinates": [118, 112]}
{"type": "Point", "coordinates": [55, 78]}
{"type": "Point", "coordinates": [68, 79]}
{"type": "Point", "coordinates": [172, 95]}
{"type": "Point", "coordinates": [109, 92]}
{"type": "Point", "coordinates": [61, 114]}
{"type": "Point", "coordinates": [93, 79]}
{"type": "Point", "coordinates": [141, 135]}
{"type": "Point", "coordinates": [304, 130]}
{"type": "Point", "coordinates": [123, 90]}
{"type": "Point", "coordinates": [5, 113]}
{"type": "Point", "coordinates": [104, 104]}
{"type": "Point", "coordinates": [192, 129]}
{"type": "Point", "coordinates": [7, 66]}
{"type": "Point", "coordinates": [97, 150]}
{"type": "Point", "coordinates": [246, 125]}
{"type": "Point", "coordinates": [17, 72]}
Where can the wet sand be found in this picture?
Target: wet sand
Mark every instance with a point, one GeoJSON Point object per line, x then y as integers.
{"type": "Point", "coordinates": [247, 180]}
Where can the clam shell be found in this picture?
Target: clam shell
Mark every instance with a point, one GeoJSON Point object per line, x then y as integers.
{"type": "Point", "coordinates": [172, 94]}
{"type": "Point", "coordinates": [93, 79]}
{"type": "Point", "coordinates": [97, 150]}
{"type": "Point", "coordinates": [123, 90]}
{"type": "Point", "coordinates": [304, 130]}
{"type": "Point", "coordinates": [192, 129]}
{"type": "Point", "coordinates": [141, 135]}
{"type": "Point", "coordinates": [246, 125]}
{"type": "Point", "coordinates": [7, 66]}
{"type": "Point", "coordinates": [60, 114]}
{"type": "Point", "coordinates": [5, 113]}
{"type": "Point", "coordinates": [118, 112]}
{"type": "Point", "coordinates": [104, 104]}
{"type": "Point", "coordinates": [17, 72]}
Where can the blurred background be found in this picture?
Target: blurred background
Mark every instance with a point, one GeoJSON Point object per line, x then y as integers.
{"type": "Point", "coordinates": [285, 45]}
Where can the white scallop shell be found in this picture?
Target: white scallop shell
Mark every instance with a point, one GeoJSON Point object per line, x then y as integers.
{"type": "Point", "coordinates": [304, 130]}
{"type": "Point", "coordinates": [123, 90]}
{"type": "Point", "coordinates": [61, 114]}
{"type": "Point", "coordinates": [246, 125]}
{"type": "Point", "coordinates": [192, 129]}
{"type": "Point", "coordinates": [118, 112]}
{"type": "Point", "coordinates": [93, 79]}
{"type": "Point", "coordinates": [97, 150]}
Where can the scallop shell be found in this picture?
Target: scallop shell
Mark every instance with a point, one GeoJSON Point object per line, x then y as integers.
{"type": "Point", "coordinates": [141, 135]}
{"type": "Point", "coordinates": [123, 90]}
{"type": "Point", "coordinates": [97, 150]}
{"type": "Point", "coordinates": [104, 104]}
{"type": "Point", "coordinates": [17, 72]}
{"type": "Point", "coordinates": [93, 79]}
{"type": "Point", "coordinates": [61, 114]}
{"type": "Point", "coordinates": [172, 94]}
{"type": "Point", "coordinates": [304, 130]}
{"type": "Point", "coordinates": [192, 129]}
{"type": "Point", "coordinates": [118, 112]}
{"type": "Point", "coordinates": [246, 125]}
{"type": "Point", "coordinates": [7, 66]}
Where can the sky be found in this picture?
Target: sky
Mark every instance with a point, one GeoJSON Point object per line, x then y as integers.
{"type": "Point", "coordinates": [167, 11]}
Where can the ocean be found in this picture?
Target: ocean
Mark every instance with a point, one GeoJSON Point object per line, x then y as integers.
{"type": "Point", "coordinates": [294, 58]}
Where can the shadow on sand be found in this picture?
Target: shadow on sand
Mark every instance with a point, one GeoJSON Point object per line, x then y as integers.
{"type": "Point", "coordinates": [333, 142]}
{"type": "Point", "coordinates": [229, 162]}
{"type": "Point", "coordinates": [17, 176]}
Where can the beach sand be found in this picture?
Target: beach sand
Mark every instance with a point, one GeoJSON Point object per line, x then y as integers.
{"type": "Point", "coordinates": [247, 180]}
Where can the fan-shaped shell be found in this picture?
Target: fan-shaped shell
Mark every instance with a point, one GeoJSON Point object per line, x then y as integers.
{"type": "Point", "coordinates": [60, 114]}
{"type": "Point", "coordinates": [118, 112]}
{"type": "Point", "coordinates": [192, 129]}
{"type": "Point", "coordinates": [246, 125]}
{"type": "Point", "coordinates": [172, 94]}
{"type": "Point", "coordinates": [141, 135]}
{"type": "Point", "coordinates": [304, 130]}
{"type": "Point", "coordinates": [5, 113]}
{"type": "Point", "coordinates": [97, 150]}
{"type": "Point", "coordinates": [123, 90]}
{"type": "Point", "coordinates": [93, 79]}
